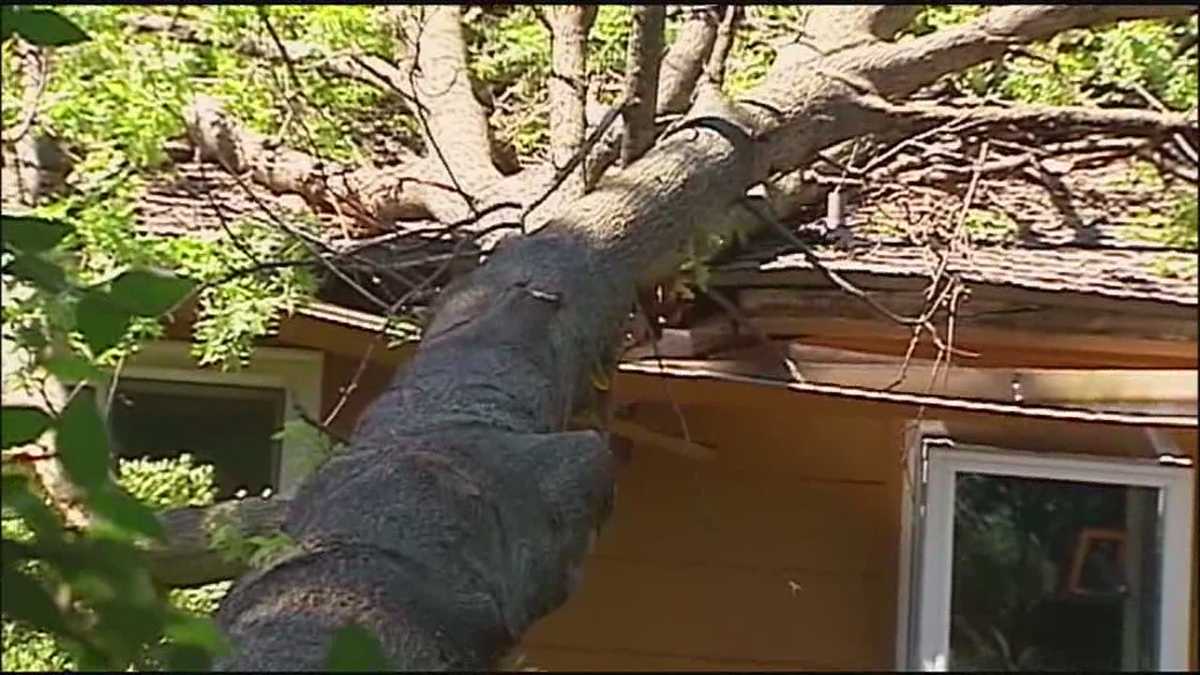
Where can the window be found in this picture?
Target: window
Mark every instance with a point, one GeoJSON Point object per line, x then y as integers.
{"type": "Point", "coordinates": [1024, 561]}
{"type": "Point", "coordinates": [164, 405]}
{"type": "Point", "coordinates": [228, 426]}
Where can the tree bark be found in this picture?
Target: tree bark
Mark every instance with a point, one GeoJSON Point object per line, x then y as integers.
{"type": "Point", "coordinates": [464, 508]}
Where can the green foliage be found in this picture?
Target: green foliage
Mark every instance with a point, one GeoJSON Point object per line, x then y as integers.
{"type": "Point", "coordinates": [607, 46]}
{"type": "Point", "coordinates": [21, 425]}
{"type": "Point", "coordinates": [158, 484]}
{"type": "Point", "coordinates": [168, 483]}
{"type": "Point", "coordinates": [89, 589]}
{"type": "Point", "coordinates": [313, 445]}
{"type": "Point", "coordinates": [1104, 66]}
{"type": "Point", "coordinates": [753, 51]}
{"type": "Point", "coordinates": [355, 650]}
{"type": "Point", "coordinates": [232, 314]}
{"type": "Point", "coordinates": [932, 18]}
{"type": "Point", "coordinates": [135, 85]}
{"type": "Point", "coordinates": [259, 550]}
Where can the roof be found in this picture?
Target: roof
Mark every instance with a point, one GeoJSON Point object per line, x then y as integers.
{"type": "Point", "coordinates": [1118, 274]}
{"type": "Point", "coordinates": [1076, 222]}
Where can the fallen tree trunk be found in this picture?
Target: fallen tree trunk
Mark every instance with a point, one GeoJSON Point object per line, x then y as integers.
{"type": "Point", "coordinates": [464, 508]}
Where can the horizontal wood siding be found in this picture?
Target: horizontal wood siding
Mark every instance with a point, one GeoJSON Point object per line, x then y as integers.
{"type": "Point", "coordinates": [778, 555]}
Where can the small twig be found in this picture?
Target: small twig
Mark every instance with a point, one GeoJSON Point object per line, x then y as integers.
{"type": "Point", "coordinates": [351, 386]}
{"type": "Point", "coordinates": [683, 425]}
{"type": "Point", "coordinates": [303, 415]}
{"type": "Point", "coordinates": [1179, 139]}
{"type": "Point", "coordinates": [824, 269]}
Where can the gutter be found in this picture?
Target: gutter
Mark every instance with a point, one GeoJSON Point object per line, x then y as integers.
{"type": "Point", "coordinates": [928, 400]}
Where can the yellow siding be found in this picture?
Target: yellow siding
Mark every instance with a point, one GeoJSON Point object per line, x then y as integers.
{"type": "Point", "coordinates": [777, 555]}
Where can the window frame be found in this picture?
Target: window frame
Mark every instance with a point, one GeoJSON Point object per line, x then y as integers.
{"type": "Point", "coordinates": [298, 373]}
{"type": "Point", "coordinates": [926, 573]}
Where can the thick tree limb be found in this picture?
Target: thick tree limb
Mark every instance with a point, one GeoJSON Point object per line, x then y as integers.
{"type": "Point", "coordinates": [714, 66]}
{"type": "Point", "coordinates": [897, 70]}
{"type": "Point", "coordinates": [569, 26]}
{"type": "Point", "coordinates": [643, 59]}
{"type": "Point", "coordinates": [374, 196]}
{"type": "Point", "coordinates": [678, 74]}
{"type": "Point", "coordinates": [453, 122]}
{"type": "Point", "coordinates": [685, 60]}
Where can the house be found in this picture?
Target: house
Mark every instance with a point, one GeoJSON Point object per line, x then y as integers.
{"type": "Point", "coordinates": [786, 501]}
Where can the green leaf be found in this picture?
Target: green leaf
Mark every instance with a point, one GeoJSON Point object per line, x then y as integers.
{"type": "Point", "coordinates": [6, 30]}
{"type": "Point", "coordinates": [46, 28]}
{"type": "Point", "coordinates": [187, 659]}
{"type": "Point", "coordinates": [196, 631]}
{"type": "Point", "coordinates": [26, 599]}
{"type": "Point", "coordinates": [22, 424]}
{"type": "Point", "coordinates": [125, 514]}
{"type": "Point", "coordinates": [72, 369]}
{"type": "Point", "coordinates": [31, 235]}
{"type": "Point", "coordinates": [149, 292]}
{"type": "Point", "coordinates": [354, 650]}
{"type": "Point", "coordinates": [101, 322]}
{"type": "Point", "coordinates": [32, 509]}
{"type": "Point", "coordinates": [83, 441]}
{"type": "Point", "coordinates": [39, 271]}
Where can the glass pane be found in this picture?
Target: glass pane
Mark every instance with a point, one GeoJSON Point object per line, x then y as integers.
{"type": "Point", "coordinates": [227, 426]}
{"type": "Point", "coordinates": [1054, 575]}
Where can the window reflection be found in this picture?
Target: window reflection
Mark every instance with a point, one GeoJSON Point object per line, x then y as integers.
{"type": "Point", "coordinates": [1053, 575]}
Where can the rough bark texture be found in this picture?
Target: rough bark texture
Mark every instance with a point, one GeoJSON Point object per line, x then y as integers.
{"type": "Point", "coordinates": [641, 88]}
{"type": "Point", "coordinates": [569, 26]}
{"type": "Point", "coordinates": [465, 507]}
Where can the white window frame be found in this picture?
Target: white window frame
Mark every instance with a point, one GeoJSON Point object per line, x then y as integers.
{"type": "Point", "coordinates": [926, 573]}
{"type": "Point", "coordinates": [297, 372]}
